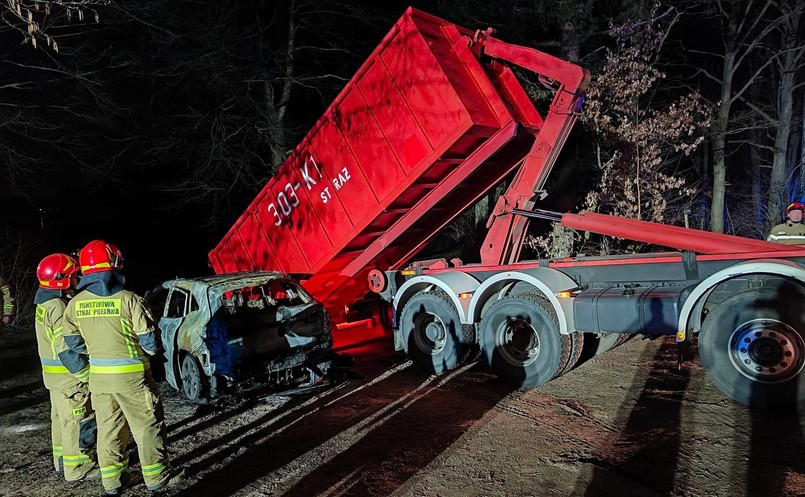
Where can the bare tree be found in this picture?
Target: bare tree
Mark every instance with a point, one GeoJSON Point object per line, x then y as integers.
{"type": "Point", "coordinates": [788, 62]}
{"type": "Point", "coordinates": [50, 106]}
{"type": "Point", "coordinates": [36, 20]}
{"type": "Point", "coordinates": [767, 119]}
{"type": "Point", "coordinates": [15, 256]}
{"type": "Point", "coordinates": [640, 137]}
{"type": "Point", "coordinates": [260, 74]}
{"type": "Point", "coordinates": [801, 192]}
{"type": "Point", "coordinates": [745, 26]}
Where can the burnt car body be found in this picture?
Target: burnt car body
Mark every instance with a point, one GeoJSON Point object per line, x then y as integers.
{"type": "Point", "coordinates": [224, 330]}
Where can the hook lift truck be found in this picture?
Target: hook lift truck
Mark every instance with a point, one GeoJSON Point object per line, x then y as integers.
{"type": "Point", "coordinates": [432, 121]}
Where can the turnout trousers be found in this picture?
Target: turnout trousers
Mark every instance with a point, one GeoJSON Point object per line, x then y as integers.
{"type": "Point", "coordinates": [137, 412]}
{"type": "Point", "coordinates": [72, 431]}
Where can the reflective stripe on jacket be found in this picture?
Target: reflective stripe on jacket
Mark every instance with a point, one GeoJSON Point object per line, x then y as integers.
{"type": "Point", "coordinates": [48, 327]}
{"type": "Point", "coordinates": [789, 233]}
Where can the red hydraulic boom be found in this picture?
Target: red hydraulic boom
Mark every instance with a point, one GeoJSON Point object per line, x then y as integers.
{"type": "Point", "coordinates": [663, 235]}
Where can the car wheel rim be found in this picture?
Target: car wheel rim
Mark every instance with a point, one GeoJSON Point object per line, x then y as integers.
{"type": "Point", "coordinates": [517, 341]}
{"type": "Point", "coordinates": [190, 380]}
{"type": "Point", "coordinates": [766, 351]}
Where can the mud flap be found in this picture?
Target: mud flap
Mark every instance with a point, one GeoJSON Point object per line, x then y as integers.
{"type": "Point", "coordinates": [682, 352]}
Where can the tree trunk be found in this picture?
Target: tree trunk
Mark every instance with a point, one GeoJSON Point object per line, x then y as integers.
{"type": "Point", "coordinates": [704, 173]}
{"type": "Point", "coordinates": [778, 198]}
{"type": "Point", "coordinates": [802, 152]}
{"type": "Point", "coordinates": [571, 41]}
{"type": "Point", "coordinates": [481, 211]}
{"type": "Point", "coordinates": [277, 104]}
{"type": "Point", "coordinates": [756, 138]}
{"type": "Point", "coordinates": [720, 133]}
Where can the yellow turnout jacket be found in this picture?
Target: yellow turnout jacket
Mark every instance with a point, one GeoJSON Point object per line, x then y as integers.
{"type": "Point", "coordinates": [118, 330]}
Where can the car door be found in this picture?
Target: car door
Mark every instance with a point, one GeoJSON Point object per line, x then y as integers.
{"type": "Point", "coordinates": [172, 318]}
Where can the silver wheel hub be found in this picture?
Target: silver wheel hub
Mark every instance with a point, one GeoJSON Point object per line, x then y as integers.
{"type": "Point", "coordinates": [766, 350]}
{"type": "Point", "coordinates": [517, 341]}
{"type": "Point", "coordinates": [190, 380]}
{"type": "Point", "coordinates": [430, 333]}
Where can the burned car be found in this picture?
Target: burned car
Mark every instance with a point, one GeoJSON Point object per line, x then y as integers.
{"type": "Point", "coordinates": [234, 329]}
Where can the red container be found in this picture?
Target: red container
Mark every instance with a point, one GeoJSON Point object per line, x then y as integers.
{"type": "Point", "coordinates": [420, 132]}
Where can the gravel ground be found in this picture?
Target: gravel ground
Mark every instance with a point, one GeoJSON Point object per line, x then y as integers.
{"type": "Point", "coordinates": [626, 423]}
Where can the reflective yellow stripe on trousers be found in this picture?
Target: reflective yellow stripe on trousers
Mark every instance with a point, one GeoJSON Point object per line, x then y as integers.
{"type": "Point", "coordinates": [76, 460]}
{"type": "Point", "coordinates": [113, 470]}
{"type": "Point", "coordinates": [153, 469]}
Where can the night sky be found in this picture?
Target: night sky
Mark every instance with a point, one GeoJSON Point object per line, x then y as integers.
{"type": "Point", "coordinates": [157, 244]}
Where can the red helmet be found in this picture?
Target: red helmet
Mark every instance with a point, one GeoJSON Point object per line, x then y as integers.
{"type": "Point", "coordinates": [100, 256]}
{"type": "Point", "coordinates": [794, 205]}
{"type": "Point", "coordinates": [56, 271]}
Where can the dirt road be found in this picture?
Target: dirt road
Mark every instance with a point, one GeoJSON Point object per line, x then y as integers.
{"type": "Point", "coordinates": [626, 423]}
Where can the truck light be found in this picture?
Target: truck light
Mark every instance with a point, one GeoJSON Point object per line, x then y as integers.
{"type": "Point", "coordinates": [680, 335]}
{"type": "Point", "coordinates": [467, 295]}
{"type": "Point", "coordinates": [571, 292]}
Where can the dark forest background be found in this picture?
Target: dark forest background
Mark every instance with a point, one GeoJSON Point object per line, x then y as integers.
{"type": "Point", "coordinates": [153, 124]}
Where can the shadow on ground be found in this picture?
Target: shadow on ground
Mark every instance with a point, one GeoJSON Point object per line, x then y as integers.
{"type": "Point", "coordinates": [372, 437]}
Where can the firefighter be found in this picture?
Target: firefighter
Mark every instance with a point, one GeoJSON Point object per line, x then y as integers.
{"type": "Point", "coordinates": [65, 373]}
{"type": "Point", "coordinates": [119, 332]}
{"type": "Point", "coordinates": [6, 302]}
{"type": "Point", "coordinates": [7, 306]}
{"type": "Point", "coordinates": [792, 231]}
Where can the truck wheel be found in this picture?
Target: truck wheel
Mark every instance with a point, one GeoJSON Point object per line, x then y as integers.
{"type": "Point", "coordinates": [195, 384]}
{"type": "Point", "coordinates": [431, 331]}
{"type": "Point", "coordinates": [608, 341]}
{"type": "Point", "coordinates": [752, 348]}
{"type": "Point", "coordinates": [521, 341]}
{"type": "Point", "coordinates": [576, 348]}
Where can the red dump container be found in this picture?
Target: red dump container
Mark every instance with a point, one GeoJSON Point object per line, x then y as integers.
{"type": "Point", "coordinates": [419, 133]}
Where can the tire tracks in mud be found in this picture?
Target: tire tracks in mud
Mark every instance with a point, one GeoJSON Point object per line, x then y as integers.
{"type": "Point", "coordinates": [548, 412]}
{"type": "Point", "coordinates": [602, 437]}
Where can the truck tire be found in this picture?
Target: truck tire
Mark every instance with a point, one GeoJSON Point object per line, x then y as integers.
{"type": "Point", "coordinates": [608, 341]}
{"type": "Point", "coordinates": [431, 330]}
{"type": "Point", "coordinates": [752, 348]}
{"type": "Point", "coordinates": [521, 341]}
{"type": "Point", "coordinates": [576, 339]}
{"type": "Point", "coordinates": [576, 348]}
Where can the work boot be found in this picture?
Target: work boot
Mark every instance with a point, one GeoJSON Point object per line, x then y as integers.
{"type": "Point", "coordinates": [175, 477]}
{"type": "Point", "coordinates": [124, 482]}
{"type": "Point", "coordinates": [92, 475]}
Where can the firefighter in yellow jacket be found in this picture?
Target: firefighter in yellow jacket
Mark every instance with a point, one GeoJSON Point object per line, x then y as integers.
{"type": "Point", "coordinates": [792, 231]}
{"type": "Point", "coordinates": [120, 334]}
{"type": "Point", "coordinates": [7, 306]}
{"type": "Point", "coordinates": [65, 373]}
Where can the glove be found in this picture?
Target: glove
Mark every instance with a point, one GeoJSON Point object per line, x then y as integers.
{"type": "Point", "coordinates": [8, 319]}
